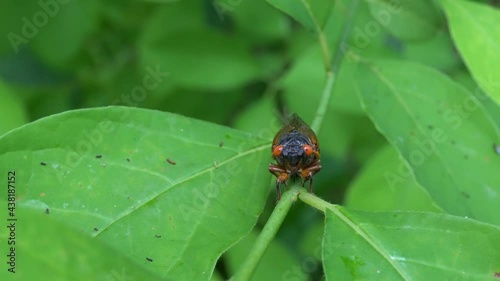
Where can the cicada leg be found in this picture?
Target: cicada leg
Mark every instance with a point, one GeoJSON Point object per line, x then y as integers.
{"type": "Point", "coordinates": [308, 173]}
{"type": "Point", "coordinates": [282, 177]}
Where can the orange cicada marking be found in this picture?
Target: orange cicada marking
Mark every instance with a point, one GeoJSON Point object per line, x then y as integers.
{"type": "Point", "coordinates": [277, 150]}
{"type": "Point", "coordinates": [308, 150]}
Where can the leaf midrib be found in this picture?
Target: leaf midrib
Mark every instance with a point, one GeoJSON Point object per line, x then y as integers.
{"type": "Point", "coordinates": [370, 241]}
{"type": "Point", "coordinates": [199, 173]}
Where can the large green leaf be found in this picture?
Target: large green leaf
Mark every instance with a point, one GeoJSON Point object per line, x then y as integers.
{"type": "Point", "coordinates": [406, 19]}
{"type": "Point", "coordinates": [476, 31]}
{"type": "Point", "coordinates": [150, 184]}
{"type": "Point", "coordinates": [408, 246]}
{"type": "Point", "coordinates": [48, 250]}
{"type": "Point", "coordinates": [378, 187]}
{"type": "Point", "coordinates": [440, 129]}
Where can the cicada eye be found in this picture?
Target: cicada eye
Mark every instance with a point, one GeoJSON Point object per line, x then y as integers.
{"type": "Point", "coordinates": [308, 149]}
{"type": "Point", "coordinates": [277, 150]}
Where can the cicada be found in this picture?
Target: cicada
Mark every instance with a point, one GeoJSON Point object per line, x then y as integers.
{"type": "Point", "coordinates": [296, 151]}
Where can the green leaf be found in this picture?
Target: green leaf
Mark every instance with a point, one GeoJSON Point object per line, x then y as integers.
{"type": "Point", "coordinates": [367, 38]}
{"type": "Point", "coordinates": [201, 58]}
{"type": "Point", "coordinates": [67, 26]}
{"type": "Point", "coordinates": [199, 104]}
{"type": "Point", "coordinates": [405, 19]}
{"type": "Point", "coordinates": [260, 118]}
{"type": "Point", "coordinates": [276, 264]}
{"type": "Point", "coordinates": [150, 184]}
{"type": "Point", "coordinates": [465, 79]}
{"type": "Point", "coordinates": [440, 129]}
{"type": "Point", "coordinates": [436, 52]}
{"type": "Point", "coordinates": [379, 187]}
{"type": "Point", "coordinates": [262, 23]}
{"type": "Point", "coordinates": [304, 82]}
{"type": "Point", "coordinates": [12, 111]}
{"type": "Point", "coordinates": [475, 28]}
{"type": "Point", "coordinates": [216, 277]}
{"type": "Point", "coordinates": [171, 18]}
{"type": "Point", "coordinates": [14, 31]}
{"type": "Point", "coordinates": [311, 14]}
{"type": "Point", "coordinates": [408, 246]}
{"type": "Point", "coordinates": [48, 250]}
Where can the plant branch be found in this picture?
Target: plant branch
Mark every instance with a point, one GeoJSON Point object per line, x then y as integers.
{"type": "Point", "coordinates": [323, 43]}
{"type": "Point", "coordinates": [332, 71]}
{"type": "Point", "coordinates": [246, 270]}
{"type": "Point", "coordinates": [314, 201]}
{"type": "Point", "coordinates": [267, 234]}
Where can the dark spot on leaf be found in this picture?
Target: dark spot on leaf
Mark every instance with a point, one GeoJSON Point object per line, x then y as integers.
{"type": "Point", "coordinates": [221, 143]}
{"type": "Point", "coordinates": [430, 127]}
{"type": "Point", "coordinates": [228, 137]}
{"type": "Point", "coordinates": [96, 229]}
{"type": "Point", "coordinates": [496, 275]}
{"type": "Point", "coordinates": [465, 194]}
{"type": "Point", "coordinates": [171, 161]}
{"type": "Point", "coordinates": [496, 148]}
{"type": "Point", "coordinates": [47, 211]}
{"type": "Point", "coordinates": [169, 218]}
{"type": "Point", "coordinates": [98, 156]}
{"type": "Point", "coordinates": [453, 142]}
{"type": "Point", "coordinates": [149, 259]}
{"type": "Point", "coordinates": [128, 197]}
{"type": "Point", "coordinates": [157, 236]}
{"type": "Point", "coordinates": [466, 157]}
{"type": "Point", "coordinates": [43, 163]}
{"type": "Point", "coordinates": [128, 160]}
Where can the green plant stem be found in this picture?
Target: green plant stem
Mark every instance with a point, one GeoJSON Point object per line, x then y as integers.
{"type": "Point", "coordinates": [246, 270]}
{"type": "Point", "coordinates": [314, 201]}
{"type": "Point", "coordinates": [323, 43]}
{"type": "Point", "coordinates": [267, 234]}
{"type": "Point", "coordinates": [331, 73]}
{"type": "Point", "coordinates": [323, 103]}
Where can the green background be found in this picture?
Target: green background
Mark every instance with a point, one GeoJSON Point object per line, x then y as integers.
{"type": "Point", "coordinates": [140, 133]}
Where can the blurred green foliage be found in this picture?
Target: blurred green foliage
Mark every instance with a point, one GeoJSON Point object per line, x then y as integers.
{"type": "Point", "coordinates": [238, 63]}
